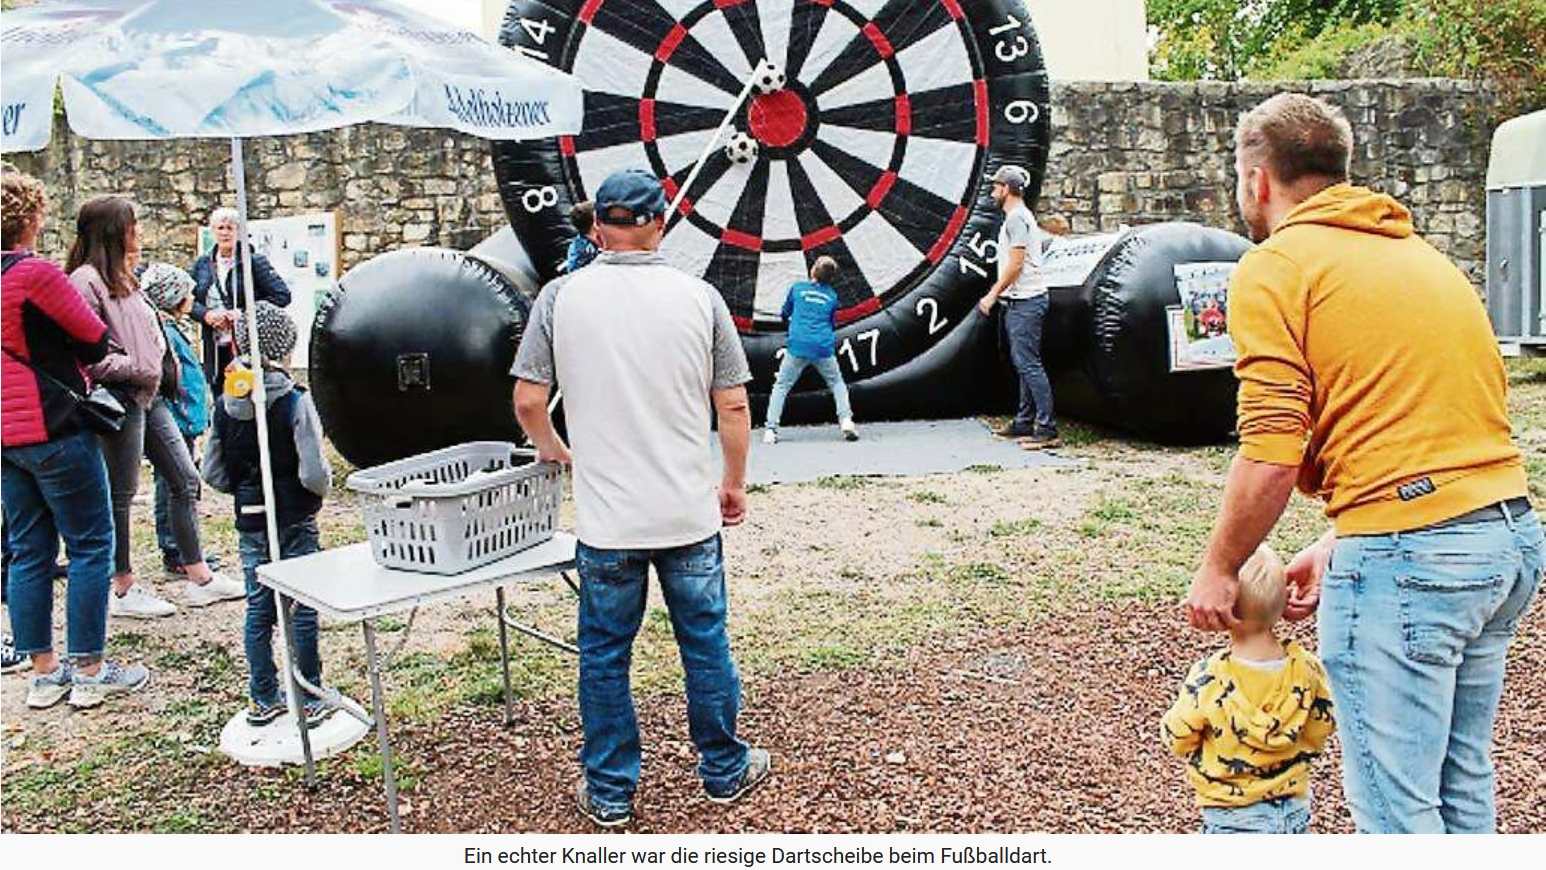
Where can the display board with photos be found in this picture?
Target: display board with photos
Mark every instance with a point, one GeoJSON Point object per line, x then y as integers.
{"type": "Point", "coordinates": [1199, 326]}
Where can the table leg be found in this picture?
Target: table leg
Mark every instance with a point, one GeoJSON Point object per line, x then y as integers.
{"type": "Point", "coordinates": [293, 687]}
{"type": "Point", "coordinates": [378, 706]}
{"type": "Point", "coordinates": [504, 652]}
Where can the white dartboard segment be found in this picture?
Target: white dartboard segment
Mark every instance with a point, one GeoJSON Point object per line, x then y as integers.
{"type": "Point", "coordinates": [775, 273]}
{"type": "Point", "coordinates": [678, 86]}
{"type": "Point", "coordinates": [714, 30]}
{"type": "Point", "coordinates": [939, 60]}
{"type": "Point", "coordinates": [776, 17]}
{"type": "Point", "coordinates": [872, 84]}
{"type": "Point", "coordinates": [839, 198]}
{"type": "Point", "coordinates": [883, 255]}
{"type": "Point", "coordinates": [778, 217]}
{"type": "Point", "coordinates": [835, 34]}
{"type": "Point", "coordinates": [688, 247]}
{"type": "Point", "coordinates": [939, 166]}
{"type": "Point", "coordinates": [870, 146]}
{"type": "Point", "coordinates": [597, 164]}
{"type": "Point", "coordinates": [718, 203]}
{"type": "Point", "coordinates": [610, 65]}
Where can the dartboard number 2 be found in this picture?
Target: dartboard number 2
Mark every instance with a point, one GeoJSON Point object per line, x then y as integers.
{"type": "Point", "coordinates": [539, 198]}
{"type": "Point", "coordinates": [928, 303]}
{"type": "Point", "coordinates": [873, 337]}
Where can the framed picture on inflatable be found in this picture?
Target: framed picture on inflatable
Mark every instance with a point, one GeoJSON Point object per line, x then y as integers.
{"type": "Point", "coordinates": [1199, 326]}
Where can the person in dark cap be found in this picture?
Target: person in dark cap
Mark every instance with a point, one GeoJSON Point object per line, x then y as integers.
{"type": "Point", "coordinates": [1021, 289]}
{"type": "Point", "coordinates": [646, 354]}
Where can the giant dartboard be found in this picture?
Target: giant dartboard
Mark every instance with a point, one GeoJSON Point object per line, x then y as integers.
{"type": "Point", "coordinates": [872, 153]}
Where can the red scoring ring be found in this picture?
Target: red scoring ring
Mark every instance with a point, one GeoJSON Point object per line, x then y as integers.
{"type": "Point", "coordinates": [777, 119]}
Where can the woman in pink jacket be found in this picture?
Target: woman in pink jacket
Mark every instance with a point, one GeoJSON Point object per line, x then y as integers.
{"type": "Point", "coordinates": [100, 265]}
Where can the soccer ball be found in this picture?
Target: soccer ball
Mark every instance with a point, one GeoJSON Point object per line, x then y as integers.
{"type": "Point", "coordinates": [741, 148]}
{"type": "Point", "coordinates": [768, 78]}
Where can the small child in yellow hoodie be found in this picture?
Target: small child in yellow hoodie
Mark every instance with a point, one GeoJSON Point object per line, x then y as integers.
{"type": "Point", "coordinates": [1250, 718]}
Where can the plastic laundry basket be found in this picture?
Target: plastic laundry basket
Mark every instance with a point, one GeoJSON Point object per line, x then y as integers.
{"type": "Point", "coordinates": [456, 509]}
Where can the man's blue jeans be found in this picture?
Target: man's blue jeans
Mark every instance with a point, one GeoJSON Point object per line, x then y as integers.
{"type": "Point", "coordinates": [1023, 319]}
{"type": "Point", "coordinates": [298, 539]}
{"type": "Point", "coordinates": [1414, 628]}
{"type": "Point", "coordinates": [612, 591]}
{"type": "Point", "coordinates": [53, 490]}
{"type": "Point", "coordinates": [789, 371]}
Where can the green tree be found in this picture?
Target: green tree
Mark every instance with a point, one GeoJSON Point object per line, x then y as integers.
{"type": "Point", "coordinates": [1227, 39]}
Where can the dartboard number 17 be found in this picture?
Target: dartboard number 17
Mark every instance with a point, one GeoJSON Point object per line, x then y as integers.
{"type": "Point", "coordinates": [866, 137]}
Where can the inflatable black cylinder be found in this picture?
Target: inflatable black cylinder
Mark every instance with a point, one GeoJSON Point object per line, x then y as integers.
{"type": "Point", "coordinates": [1126, 350]}
{"type": "Point", "coordinates": [413, 354]}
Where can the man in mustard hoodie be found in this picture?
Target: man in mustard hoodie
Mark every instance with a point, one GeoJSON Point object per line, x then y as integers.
{"type": "Point", "coordinates": [1369, 375]}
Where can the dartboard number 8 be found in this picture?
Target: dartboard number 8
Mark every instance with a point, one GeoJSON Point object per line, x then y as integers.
{"type": "Point", "coordinates": [870, 148]}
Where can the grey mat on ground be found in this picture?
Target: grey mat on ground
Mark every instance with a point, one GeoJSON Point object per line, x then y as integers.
{"type": "Point", "coordinates": [806, 453]}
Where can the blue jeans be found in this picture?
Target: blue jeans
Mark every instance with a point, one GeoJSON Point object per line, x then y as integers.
{"type": "Point", "coordinates": [263, 684]}
{"type": "Point", "coordinates": [1284, 815]}
{"type": "Point", "coordinates": [789, 371]}
{"type": "Point", "coordinates": [1414, 628]}
{"type": "Point", "coordinates": [53, 490]}
{"type": "Point", "coordinates": [612, 591]}
{"type": "Point", "coordinates": [1023, 320]}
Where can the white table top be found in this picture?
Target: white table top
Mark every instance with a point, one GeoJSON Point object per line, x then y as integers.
{"type": "Point", "coordinates": [346, 583]}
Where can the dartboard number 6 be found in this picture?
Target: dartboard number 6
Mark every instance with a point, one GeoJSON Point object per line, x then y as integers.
{"type": "Point", "coordinates": [1010, 50]}
{"type": "Point", "coordinates": [539, 198]}
{"type": "Point", "coordinates": [987, 249]}
{"type": "Point", "coordinates": [931, 305]}
{"type": "Point", "coordinates": [1022, 112]}
{"type": "Point", "coordinates": [847, 348]}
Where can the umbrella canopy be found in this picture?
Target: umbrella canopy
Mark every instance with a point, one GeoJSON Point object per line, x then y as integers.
{"type": "Point", "coordinates": [169, 69]}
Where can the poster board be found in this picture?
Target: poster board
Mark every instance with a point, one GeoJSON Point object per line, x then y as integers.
{"type": "Point", "coordinates": [1199, 326]}
{"type": "Point", "coordinates": [304, 250]}
{"type": "Point", "coordinates": [1069, 260]}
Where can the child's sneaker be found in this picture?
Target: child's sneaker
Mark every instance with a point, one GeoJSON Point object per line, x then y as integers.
{"type": "Point", "coordinates": [113, 679]}
{"type": "Point", "coordinates": [46, 690]}
{"type": "Point", "coordinates": [219, 588]}
{"type": "Point", "coordinates": [260, 713]}
{"type": "Point", "coordinates": [850, 432]}
{"type": "Point", "coordinates": [317, 710]}
{"type": "Point", "coordinates": [770, 436]}
{"type": "Point", "coordinates": [138, 604]}
{"type": "Point", "coordinates": [603, 817]}
{"type": "Point", "coordinates": [758, 764]}
{"type": "Point", "coordinates": [12, 661]}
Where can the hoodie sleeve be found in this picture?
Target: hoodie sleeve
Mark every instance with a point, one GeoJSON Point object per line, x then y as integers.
{"type": "Point", "coordinates": [1267, 317]}
{"type": "Point", "coordinates": [1182, 726]}
{"type": "Point", "coordinates": [213, 468]}
{"type": "Point", "coordinates": [315, 473]}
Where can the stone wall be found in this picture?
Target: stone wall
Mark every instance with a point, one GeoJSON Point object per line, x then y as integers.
{"type": "Point", "coordinates": [1121, 153]}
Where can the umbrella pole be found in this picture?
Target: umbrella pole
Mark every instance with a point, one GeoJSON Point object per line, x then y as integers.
{"type": "Point", "coordinates": [265, 462]}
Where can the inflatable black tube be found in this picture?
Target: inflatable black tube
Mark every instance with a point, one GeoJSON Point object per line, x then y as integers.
{"type": "Point", "coordinates": [1109, 342]}
{"type": "Point", "coordinates": [998, 112]}
{"type": "Point", "coordinates": [413, 353]}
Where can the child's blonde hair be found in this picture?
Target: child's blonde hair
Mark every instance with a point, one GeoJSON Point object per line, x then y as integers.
{"type": "Point", "coordinates": [1263, 588]}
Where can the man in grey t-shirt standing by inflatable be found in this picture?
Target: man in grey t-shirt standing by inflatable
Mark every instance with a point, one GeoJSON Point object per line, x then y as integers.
{"type": "Point", "coordinates": [1022, 289]}
{"type": "Point", "coordinates": [643, 351]}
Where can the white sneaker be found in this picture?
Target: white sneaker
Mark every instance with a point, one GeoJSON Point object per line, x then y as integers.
{"type": "Point", "coordinates": [850, 432]}
{"type": "Point", "coordinates": [138, 604]}
{"type": "Point", "coordinates": [770, 436]}
{"type": "Point", "coordinates": [112, 679]}
{"type": "Point", "coordinates": [219, 588]}
{"type": "Point", "coordinates": [46, 690]}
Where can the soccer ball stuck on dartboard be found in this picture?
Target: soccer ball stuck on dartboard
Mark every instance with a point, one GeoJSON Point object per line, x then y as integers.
{"type": "Point", "coordinates": [741, 148]}
{"type": "Point", "coordinates": [768, 78]}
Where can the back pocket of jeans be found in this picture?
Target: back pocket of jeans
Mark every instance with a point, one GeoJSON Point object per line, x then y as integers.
{"type": "Point", "coordinates": [1445, 605]}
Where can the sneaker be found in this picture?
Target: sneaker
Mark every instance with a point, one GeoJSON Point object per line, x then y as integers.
{"type": "Point", "coordinates": [850, 433]}
{"type": "Point", "coordinates": [770, 436]}
{"type": "Point", "coordinates": [606, 818]}
{"type": "Point", "coordinates": [219, 588]}
{"type": "Point", "coordinates": [138, 604]}
{"type": "Point", "coordinates": [12, 661]}
{"type": "Point", "coordinates": [46, 690]}
{"type": "Point", "coordinates": [260, 713]}
{"type": "Point", "coordinates": [758, 765]}
{"type": "Point", "coordinates": [1041, 442]}
{"type": "Point", "coordinates": [317, 710]}
{"type": "Point", "coordinates": [1014, 431]}
{"type": "Point", "coordinates": [113, 679]}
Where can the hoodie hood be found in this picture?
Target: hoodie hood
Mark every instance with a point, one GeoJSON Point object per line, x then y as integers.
{"type": "Point", "coordinates": [1352, 208]}
{"type": "Point", "coordinates": [276, 385]}
{"type": "Point", "coordinates": [1275, 726]}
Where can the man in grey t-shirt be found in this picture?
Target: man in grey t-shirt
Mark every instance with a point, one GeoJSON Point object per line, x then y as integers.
{"type": "Point", "coordinates": [643, 351]}
{"type": "Point", "coordinates": [1022, 289]}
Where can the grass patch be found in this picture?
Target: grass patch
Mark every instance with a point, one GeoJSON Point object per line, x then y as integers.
{"type": "Point", "coordinates": [930, 523]}
{"type": "Point", "coordinates": [927, 496]}
{"type": "Point", "coordinates": [979, 572]}
{"type": "Point", "coordinates": [843, 482]}
{"type": "Point", "coordinates": [758, 488]}
{"type": "Point", "coordinates": [831, 657]}
{"type": "Point", "coordinates": [1014, 528]}
{"type": "Point", "coordinates": [984, 469]}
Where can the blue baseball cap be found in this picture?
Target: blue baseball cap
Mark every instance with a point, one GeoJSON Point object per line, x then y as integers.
{"type": "Point", "coordinates": [630, 198]}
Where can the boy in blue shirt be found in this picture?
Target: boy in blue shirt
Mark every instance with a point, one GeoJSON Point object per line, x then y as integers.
{"type": "Point", "coordinates": [583, 247]}
{"type": "Point", "coordinates": [811, 311]}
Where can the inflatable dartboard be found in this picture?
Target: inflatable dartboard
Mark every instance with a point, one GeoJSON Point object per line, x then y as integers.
{"type": "Point", "coordinates": [871, 143]}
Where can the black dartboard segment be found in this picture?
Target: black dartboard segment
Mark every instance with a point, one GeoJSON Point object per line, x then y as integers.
{"type": "Point", "coordinates": [872, 154]}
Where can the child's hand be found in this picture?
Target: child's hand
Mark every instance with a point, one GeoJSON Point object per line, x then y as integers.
{"type": "Point", "coordinates": [1304, 574]}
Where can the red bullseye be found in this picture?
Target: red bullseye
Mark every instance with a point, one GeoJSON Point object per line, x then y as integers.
{"type": "Point", "coordinates": [777, 119]}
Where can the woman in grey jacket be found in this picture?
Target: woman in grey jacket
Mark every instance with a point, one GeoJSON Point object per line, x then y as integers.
{"type": "Point", "coordinates": [106, 243]}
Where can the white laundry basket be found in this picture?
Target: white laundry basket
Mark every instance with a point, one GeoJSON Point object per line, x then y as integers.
{"type": "Point", "coordinates": [455, 509]}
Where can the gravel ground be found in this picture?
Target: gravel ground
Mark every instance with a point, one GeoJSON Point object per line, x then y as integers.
{"type": "Point", "coordinates": [1047, 727]}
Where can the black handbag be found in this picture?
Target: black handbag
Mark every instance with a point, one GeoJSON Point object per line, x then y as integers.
{"type": "Point", "coordinates": [98, 410]}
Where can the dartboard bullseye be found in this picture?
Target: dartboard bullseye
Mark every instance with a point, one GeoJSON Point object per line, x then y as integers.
{"type": "Point", "coordinates": [865, 138]}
